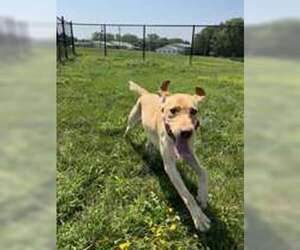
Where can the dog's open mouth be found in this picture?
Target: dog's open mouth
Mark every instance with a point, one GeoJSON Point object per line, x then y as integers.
{"type": "Point", "coordinates": [181, 148]}
{"type": "Point", "coordinates": [181, 144]}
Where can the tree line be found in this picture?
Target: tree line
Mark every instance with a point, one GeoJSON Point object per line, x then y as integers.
{"type": "Point", "coordinates": [227, 40]}
{"type": "Point", "coordinates": [274, 39]}
{"type": "Point", "coordinates": [153, 41]}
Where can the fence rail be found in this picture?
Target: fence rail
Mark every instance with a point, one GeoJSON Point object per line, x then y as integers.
{"type": "Point", "coordinates": [189, 40]}
{"type": "Point", "coordinates": [150, 25]}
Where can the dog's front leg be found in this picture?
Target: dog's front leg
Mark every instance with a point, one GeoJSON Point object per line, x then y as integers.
{"type": "Point", "coordinates": [202, 194]}
{"type": "Point", "coordinates": [201, 221]}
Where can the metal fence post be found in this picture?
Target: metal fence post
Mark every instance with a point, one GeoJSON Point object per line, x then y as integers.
{"type": "Point", "coordinates": [119, 37]}
{"type": "Point", "coordinates": [64, 37]}
{"type": "Point", "coordinates": [144, 42]}
{"type": "Point", "coordinates": [104, 31]}
{"type": "Point", "coordinates": [100, 36]}
{"type": "Point", "coordinates": [192, 45]}
{"type": "Point", "coordinates": [72, 38]}
{"type": "Point", "coordinates": [58, 44]}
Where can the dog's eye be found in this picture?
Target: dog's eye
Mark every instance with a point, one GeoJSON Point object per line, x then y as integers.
{"type": "Point", "coordinates": [173, 111]}
{"type": "Point", "coordinates": [193, 111]}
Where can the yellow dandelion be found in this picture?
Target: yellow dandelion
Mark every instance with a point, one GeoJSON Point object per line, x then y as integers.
{"type": "Point", "coordinates": [173, 227]}
{"type": "Point", "coordinates": [124, 246]}
{"type": "Point", "coordinates": [163, 242]}
{"type": "Point", "coordinates": [158, 232]}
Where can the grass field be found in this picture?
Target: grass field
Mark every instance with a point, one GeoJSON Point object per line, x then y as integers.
{"type": "Point", "coordinates": [27, 150]}
{"type": "Point", "coordinates": [110, 193]}
{"type": "Point", "coordinates": [272, 143]}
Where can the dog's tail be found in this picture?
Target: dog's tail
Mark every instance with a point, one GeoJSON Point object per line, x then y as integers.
{"type": "Point", "coordinates": [136, 88]}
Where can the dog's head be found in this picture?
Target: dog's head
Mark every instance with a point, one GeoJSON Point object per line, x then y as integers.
{"type": "Point", "coordinates": [179, 113]}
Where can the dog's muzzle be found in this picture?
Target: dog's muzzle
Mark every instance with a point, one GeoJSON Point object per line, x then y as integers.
{"type": "Point", "coordinates": [184, 134]}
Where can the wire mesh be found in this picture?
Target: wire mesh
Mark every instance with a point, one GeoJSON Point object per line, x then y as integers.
{"type": "Point", "coordinates": [168, 40]}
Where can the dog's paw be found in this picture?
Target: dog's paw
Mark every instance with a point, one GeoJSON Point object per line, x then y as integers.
{"type": "Point", "coordinates": [202, 222]}
{"type": "Point", "coordinates": [202, 199]}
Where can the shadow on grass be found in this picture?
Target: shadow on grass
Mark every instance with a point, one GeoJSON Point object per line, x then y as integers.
{"type": "Point", "coordinates": [218, 236]}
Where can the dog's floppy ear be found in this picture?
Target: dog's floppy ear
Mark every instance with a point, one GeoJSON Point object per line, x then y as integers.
{"type": "Point", "coordinates": [164, 90]}
{"type": "Point", "coordinates": [200, 94]}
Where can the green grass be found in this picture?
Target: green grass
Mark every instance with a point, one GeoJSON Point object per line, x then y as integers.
{"type": "Point", "coordinates": [110, 192]}
{"type": "Point", "coordinates": [27, 151]}
{"type": "Point", "coordinates": [272, 153]}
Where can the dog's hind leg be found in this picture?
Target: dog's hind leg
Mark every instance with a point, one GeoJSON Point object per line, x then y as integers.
{"type": "Point", "coordinates": [134, 117]}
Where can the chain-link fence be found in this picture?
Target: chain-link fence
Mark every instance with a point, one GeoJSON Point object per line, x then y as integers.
{"type": "Point", "coordinates": [64, 39]}
{"type": "Point", "coordinates": [224, 40]}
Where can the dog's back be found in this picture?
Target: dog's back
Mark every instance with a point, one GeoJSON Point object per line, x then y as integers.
{"type": "Point", "coordinates": [150, 104]}
{"type": "Point", "coordinates": [150, 108]}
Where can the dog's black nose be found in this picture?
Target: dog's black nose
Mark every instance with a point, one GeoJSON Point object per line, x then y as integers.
{"type": "Point", "coordinates": [186, 133]}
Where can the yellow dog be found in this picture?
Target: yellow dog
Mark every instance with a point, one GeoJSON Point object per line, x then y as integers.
{"type": "Point", "coordinates": [170, 122]}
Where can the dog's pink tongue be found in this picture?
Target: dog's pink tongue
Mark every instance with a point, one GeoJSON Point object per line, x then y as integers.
{"type": "Point", "coordinates": [182, 148]}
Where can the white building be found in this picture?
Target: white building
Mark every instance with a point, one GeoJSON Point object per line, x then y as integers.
{"type": "Point", "coordinates": [176, 48]}
{"type": "Point", "coordinates": [92, 44]}
{"type": "Point", "coordinates": [100, 44]}
{"type": "Point", "coordinates": [121, 45]}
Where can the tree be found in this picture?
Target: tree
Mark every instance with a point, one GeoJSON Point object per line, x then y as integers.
{"type": "Point", "coordinates": [99, 36]}
{"type": "Point", "coordinates": [129, 38]}
{"type": "Point", "coordinates": [153, 41]}
{"type": "Point", "coordinates": [161, 42]}
{"type": "Point", "coordinates": [276, 39]}
{"type": "Point", "coordinates": [176, 40]}
{"type": "Point", "coordinates": [110, 37]}
{"type": "Point", "coordinates": [118, 37]}
{"type": "Point", "coordinates": [226, 40]}
{"type": "Point", "coordinates": [233, 37]}
{"type": "Point", "coordinates": [203, 41]}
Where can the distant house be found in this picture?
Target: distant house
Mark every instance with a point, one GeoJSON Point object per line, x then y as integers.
{"type": "Point", "coordinates": [100, 44]}
{"type": "Point", "coordinates": [121, 45]}
{"type": "Point", "coordinates": [176, 48]}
